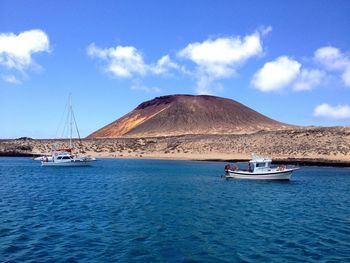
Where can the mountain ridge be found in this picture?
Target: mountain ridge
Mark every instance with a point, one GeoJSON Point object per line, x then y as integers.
{"type": "Point", "coordinates": [181, 114]}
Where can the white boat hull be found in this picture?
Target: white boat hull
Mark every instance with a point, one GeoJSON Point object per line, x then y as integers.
{"type": "Point", "coordinates": [67, 164]}
{"type": "Point", "coordinates": [268, 175]}
{"type": "Point", "coordinates": [43, 158]}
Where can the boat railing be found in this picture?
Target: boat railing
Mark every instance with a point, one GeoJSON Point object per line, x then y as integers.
{"type": "Point", "coordinates": [284, 166]}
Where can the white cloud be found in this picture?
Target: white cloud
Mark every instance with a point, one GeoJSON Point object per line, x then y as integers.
{"type": "Point", "coordinates": [122, 61]}
{"type": "Point", "coordinates": [308, 79]}
{"type": "Point", "coordinates": [214, 59]}
{"type": "Point", "coordinates": [346, 77]}
{"type": "Point", "coordinates": [127, 61]}
{"type": "Point", "coordinates": [16, 50]}
{"type": "Point", "coordinates": [265, 30]}
{"type": "Point", "coordinates": [219, 58]}
{"type": "Point", "coordinates": [11, 79]}
{"type": "Point", "coordinates": [285, 72]}
{"type": "Point", "coordinates": [332, 112]}
{"type": "Point", "coordinates": [164, 65]}
{"type": "Point", "coordinates": [139, 87]}
{"type": "Point", "coordinates": [276, 75]}
{"type": "Point", "coordinates": [333, 59]}
{"type": "Point", "coordinates": [207, 85]}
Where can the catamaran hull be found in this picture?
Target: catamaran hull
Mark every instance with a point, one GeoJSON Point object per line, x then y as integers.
{"type": "Point", "coordinates": [66, 164]}
{"type": "Point", "coordinates": [282, 175]}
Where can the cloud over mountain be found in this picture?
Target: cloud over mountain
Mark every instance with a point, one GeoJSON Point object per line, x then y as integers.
{"type": "Point", "coordinates": [219, 58]}
{"type": "Point", "coordinates": [332, 59]}
{"type": "Point", "coordinates": [308, 79]}
{"type": "Point", "coordinates": [127, 61]}
{"type": "Point", "coordinates": [277, 74]}
{"type": "Point", "coordinates": [214, 59]}
{"type": "Point", "coordinates": [332, 112]}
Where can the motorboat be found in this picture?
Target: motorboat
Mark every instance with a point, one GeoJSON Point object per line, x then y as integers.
{"type": "Point", "coordinates": [259, 168]}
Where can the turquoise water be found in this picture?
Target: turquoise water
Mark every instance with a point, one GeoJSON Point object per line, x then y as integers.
{"type": "Point", "coordinates": [170, 211]}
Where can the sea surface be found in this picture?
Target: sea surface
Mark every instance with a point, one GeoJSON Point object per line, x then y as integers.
{"type": "Point", "coordinates": [125, 210]}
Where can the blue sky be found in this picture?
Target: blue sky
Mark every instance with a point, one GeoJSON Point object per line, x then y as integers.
{"type": "Point", "coordinates": [289, 61]}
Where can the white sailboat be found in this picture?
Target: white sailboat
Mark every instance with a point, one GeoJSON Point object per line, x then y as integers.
{"type": "Point", "coordinates": [64, 156]}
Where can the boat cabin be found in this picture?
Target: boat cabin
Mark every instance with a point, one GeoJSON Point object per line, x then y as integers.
{"type": "Point", "coordinates": [62, 156]}
{"type": "Point", "coordinates": [259, 164]}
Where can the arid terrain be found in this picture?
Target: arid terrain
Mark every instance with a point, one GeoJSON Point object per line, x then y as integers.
{"type": "Point", "coordinates": [304, 145]}
{"type": "Point", "coordinates": [176, 115]}
{"type": "Point", "coordinates": [200, 128]}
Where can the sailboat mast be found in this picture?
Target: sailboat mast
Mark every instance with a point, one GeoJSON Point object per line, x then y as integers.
{"type": "Point", "coordinates": [70, 121]}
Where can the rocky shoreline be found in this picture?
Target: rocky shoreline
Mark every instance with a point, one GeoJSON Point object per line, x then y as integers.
{"type": "Point", "coordinates": [303, 146]}
{"type": "Point", "coordinates": [300, 162]}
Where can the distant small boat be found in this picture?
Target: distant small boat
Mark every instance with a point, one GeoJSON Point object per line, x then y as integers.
{"type": "Point", "coordinates": [64, 157]}
{"type": "Point", "coordinates": [259, 168]}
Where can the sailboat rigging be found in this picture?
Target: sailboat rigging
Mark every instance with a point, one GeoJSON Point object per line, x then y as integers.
{"type": "Point", "coordinates": [64, 156]}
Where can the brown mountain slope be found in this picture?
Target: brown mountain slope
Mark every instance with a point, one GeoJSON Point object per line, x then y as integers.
{"type": "Point", "coordinates": [188, 114]}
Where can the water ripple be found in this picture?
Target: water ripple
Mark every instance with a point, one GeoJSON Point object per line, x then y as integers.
{"type": "Point", "coordinates": [170, 211]}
